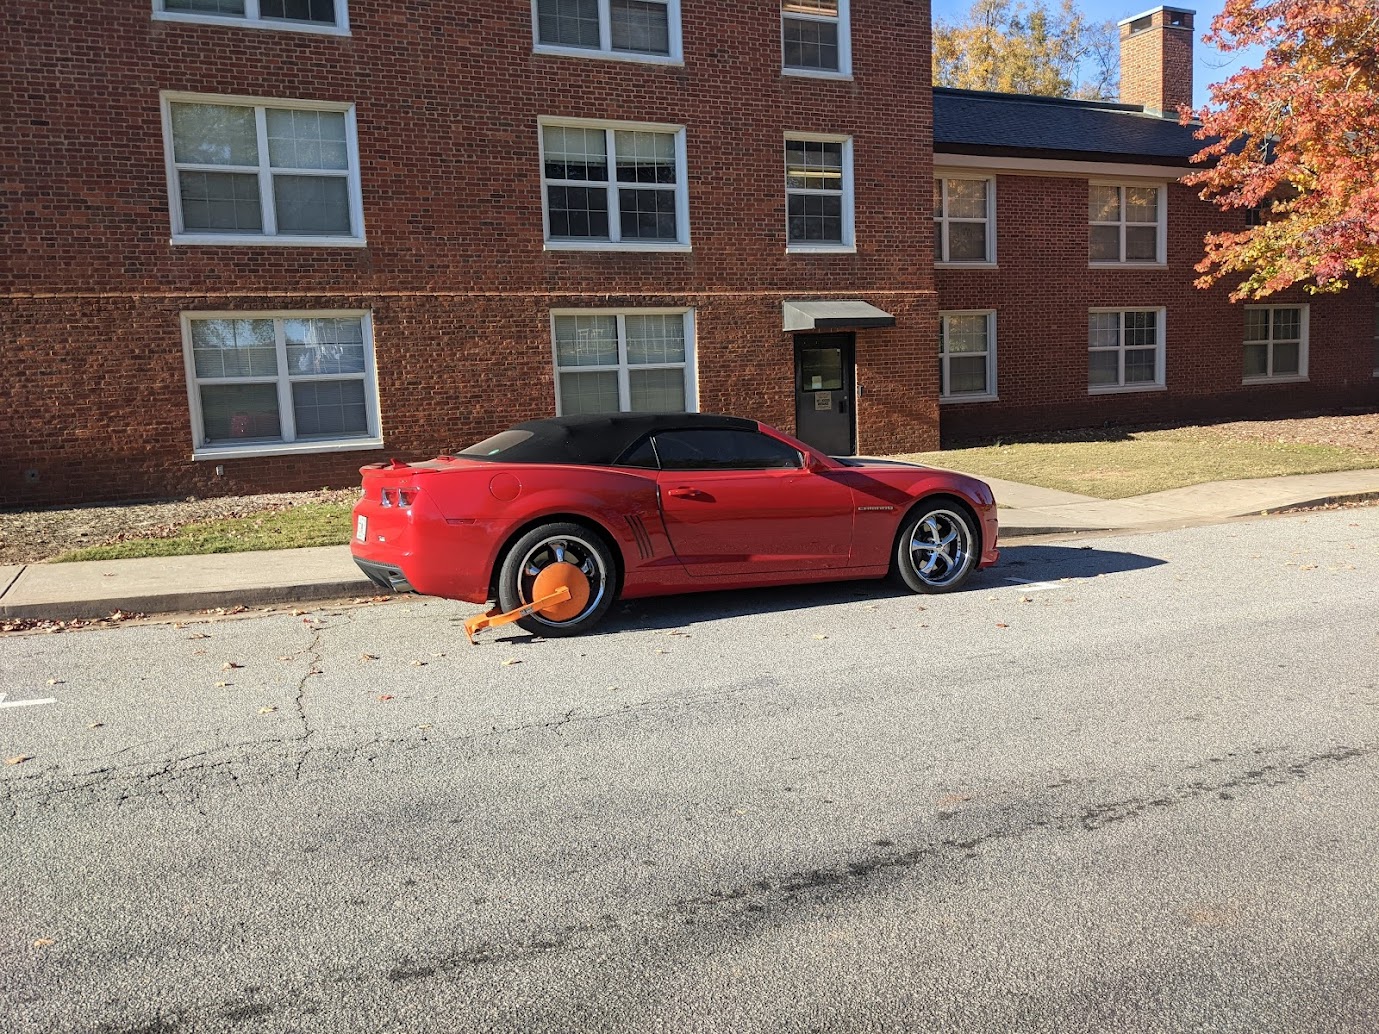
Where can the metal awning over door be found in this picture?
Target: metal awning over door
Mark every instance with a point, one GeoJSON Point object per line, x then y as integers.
{"type": "Point", "coordinates": [829, 314]}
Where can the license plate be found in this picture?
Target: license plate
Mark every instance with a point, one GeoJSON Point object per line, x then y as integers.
{"type": "Point", "coordinates": [361, 527]}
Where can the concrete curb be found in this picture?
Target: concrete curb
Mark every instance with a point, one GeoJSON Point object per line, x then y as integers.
{"type": "Point", "coordinates": [176, 602]}
{"type": "Point", "coordinates": [1328, 500]}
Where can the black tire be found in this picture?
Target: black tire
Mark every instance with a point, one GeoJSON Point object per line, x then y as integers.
{"type": "Point", "coordinates": [938, 547]}
{"type": "Point", "coordinates": [544, 545]}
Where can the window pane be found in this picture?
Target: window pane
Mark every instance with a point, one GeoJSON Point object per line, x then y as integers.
{"type": "Point", "coordinates": [658, 338]}
{"type": "Point", "coordinates": [723, 450]}
{"type": "Point", "coordinates": [645, 157]}
{"type": "Point", "coordinates": [329, 408]}
{"type": "Point", "coordinates": [578, 212]}
{"type": "Point", "coordinates": [815, 217]}
{"type": "Point", "coordinates": [319, 11]}
{"type": "Point", "coordinates": [586, 341]}
{"type": "Point", "coordinates": [647, 215]}
{"type": "Point", "coordinates": [1256, 324]}
{"type": "Point", "coordinates": [307, 139]}
{"type": "Point", "coordinates": [226, 7]}
{"type": "Point", "coordinates": [1256, 360]}
{"type": "Point", "coordinates": [821, 369]}
{"type": "Point", "coordinates": [1103, 368]}
{"type": "Point", "coordinates": [967, 242]}
{"type": "Point", "coordinates": [640, 27]}
{"type": "Point", "coordinates": [588, 393]}
{"type": "Point", "coordinates": [811, 44]}
{"type": "Point", "coordinates": [575, 154]}
{"type": "Point", "coordinates": [1141, 328]}
{"type": "Point", "coordinates": [1140, 365]}
{"type": "Point", "coordinates": [1141, 204]}
{"type": "Point", "coordinates": [1103, 329]}
{"type": "Point", "coordinates": [220, 202]}
{"type": "Point", "coordinates": [1287, 324]}
{"type": "Point", "coordinates": [324, 346]}
{"type": "Point", "coordinates": [938, 198]}
{"type": "Point", "coordinates": [827, 8]}
{"type": "Point", "coordinates": [967, 199]}
{"type": "Point", "coordinates": [813, 165]}
{"type": "Point", "coordinates": [1141, 243]}
{"type": "Point", "coordinates": [967, 375]}
{"type": "Point", "coordinates": [657, 391]}
{"type": "Point", "coordinates": [966, 334]}
{"type": "Point", "coordinates": [234, 348]}
{"type": "Point", "coordinates": [1103, 204]}
{"type": "Point", "coordinates": [214, 134]}
{"type": "Point", "coordinates": [1104, 244]}
{"type": "Point", "coordinates": [313, 205]}
{"type": "Point", "coordinates": [568, 23]}
{"type": "Point", "coordinates": [232, 412]}
{"type": "Point", "coordinates": [1286, 359]}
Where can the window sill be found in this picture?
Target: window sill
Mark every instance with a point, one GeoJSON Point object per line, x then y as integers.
{"type": "Point", "coordinates": [966, 265]}
{"type": "Point", "coordinates": [239, 240]}
{"type": "Point", "coordinates": [245, 23]}
{"type": "Point", "coordinates": [237, 452]}
{"type": "Point", "coordinates": [1127, 265]}
{"type": "Point", "coordinates": [816, 73]}
{"type": "Point", "coordinates": [662, 246]}
{"type": "Point", "coordinates": [952, 400]}
{"type": "Point", "coordinates": [1292, 378]}
{"type": "Point", "coordinates": [1125, 389]}
{"type": "Point", "coordinates": [821, 249]}
{"type": "Point", "coordinates": [669, 60]}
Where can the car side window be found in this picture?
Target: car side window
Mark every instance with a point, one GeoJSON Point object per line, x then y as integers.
{"type": "Point", "coordinates": [643, 454]}
{"type": "Point", "coordinates": [723, 449]}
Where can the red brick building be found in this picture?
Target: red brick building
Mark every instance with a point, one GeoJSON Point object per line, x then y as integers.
{"type": "Point", "coordinates": [251, 245]}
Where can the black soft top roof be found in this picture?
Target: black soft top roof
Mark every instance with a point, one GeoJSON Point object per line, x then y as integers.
{"type": "Point", "coordinates": [602, 439]}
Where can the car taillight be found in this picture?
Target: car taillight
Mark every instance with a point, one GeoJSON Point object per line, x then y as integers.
{"type": "Point", "coordinates": [398, 496]}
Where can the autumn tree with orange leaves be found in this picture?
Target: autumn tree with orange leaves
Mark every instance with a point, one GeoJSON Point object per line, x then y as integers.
{"type": "Point", "coordinates": [1297, 138]}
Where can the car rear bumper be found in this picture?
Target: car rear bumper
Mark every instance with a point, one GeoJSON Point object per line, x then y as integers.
{"type": "Point", "coordinates": [387, 577]}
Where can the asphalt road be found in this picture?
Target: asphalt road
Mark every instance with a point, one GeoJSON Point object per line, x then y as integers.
{"type": "Point", "coordinates": [1132, 793]}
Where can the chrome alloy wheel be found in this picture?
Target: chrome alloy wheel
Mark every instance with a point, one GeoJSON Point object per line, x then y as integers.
{"type": "Point", "coordinates": [941, 548]}
{"type": "Point", "coordinates": [564, 549]}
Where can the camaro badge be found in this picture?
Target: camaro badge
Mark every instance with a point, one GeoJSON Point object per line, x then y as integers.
{"type": "Point", "coordinates": [861, 508]}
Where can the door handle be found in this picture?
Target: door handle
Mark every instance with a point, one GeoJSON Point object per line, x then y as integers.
{"type": "Point", "coordinates": [842, 405]}
{"type": "Point", "coordinates": [684, 492]}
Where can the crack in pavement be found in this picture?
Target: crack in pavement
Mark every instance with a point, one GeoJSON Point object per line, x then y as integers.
{"type": "Point", "coordinates": [314, 649]}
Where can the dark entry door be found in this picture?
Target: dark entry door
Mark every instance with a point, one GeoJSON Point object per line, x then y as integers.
{"type": "Point", "coordinates": [825, 398]}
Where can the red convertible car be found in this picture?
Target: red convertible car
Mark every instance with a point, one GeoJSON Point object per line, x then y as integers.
{"type": "Point", "coordinates": [632, 504]}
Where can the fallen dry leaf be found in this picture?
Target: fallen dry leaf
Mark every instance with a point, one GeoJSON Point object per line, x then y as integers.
{"type": "Point", "coordinates": [368, 656]}
{"type": "Point", "coordinates": [230, 666]}
{"type": "Point", "coordinates": [55, 682]}
{"type": "Point", "coordinates": [821, 636]}
{"type": "Point", "coordinates": [96, 725]}
{"type": "Point", "coordinates": [267, 710]}
{"type": "Point", "coordinates": [385, 696]}
{"type": "Point", "coordinates": [512, 660]}
{"type": "Point", "coordinates": [222, 685]}
{"type": "Point", "coordinates": [298, 613]}
{"type": "Point", "coordinates": [199, 635]}
{"type": "Point", "coordinates": [418, 664]}
{"type": "Point", "coordinates": [1000, 624]}
{"type": "Point", "coordinates": [19, 759]}
{"type": "Point", "coordinates": [44, 942]}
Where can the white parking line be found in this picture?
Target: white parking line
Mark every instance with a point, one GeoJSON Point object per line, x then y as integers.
{"type": "Point", "coordinates": [25, 703]}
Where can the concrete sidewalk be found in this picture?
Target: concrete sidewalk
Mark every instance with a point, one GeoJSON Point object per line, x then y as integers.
{"type": "Point", "coordinates": [164, 585]}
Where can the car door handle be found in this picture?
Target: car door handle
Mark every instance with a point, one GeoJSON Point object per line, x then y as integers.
{"type": "Point", "coordinates": [684, 492]}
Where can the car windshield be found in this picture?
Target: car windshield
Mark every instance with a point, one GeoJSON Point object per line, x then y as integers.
{"type": "Point", "coordinates": [496, 445]}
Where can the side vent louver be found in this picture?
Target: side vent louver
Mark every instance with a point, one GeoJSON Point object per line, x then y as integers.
{"type": "Point", "coordinates": [634, 522]}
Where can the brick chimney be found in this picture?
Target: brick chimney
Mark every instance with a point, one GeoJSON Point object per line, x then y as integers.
{"type": "Point", "coordinates": [1156, 60]}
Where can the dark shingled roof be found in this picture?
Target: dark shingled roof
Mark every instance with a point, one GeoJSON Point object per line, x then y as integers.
{"type": "Point", "coordinates": [592, 439]}
{"type": "Point", "coordinates": [1007, 124]}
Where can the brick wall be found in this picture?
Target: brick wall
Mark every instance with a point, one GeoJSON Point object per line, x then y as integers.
{"type": "Point", "coordinates": [1156, 62]}
{"type": "Point", "coordinates": [1043, 288]}
{"type": "Point", "coordinates": [447, 95]}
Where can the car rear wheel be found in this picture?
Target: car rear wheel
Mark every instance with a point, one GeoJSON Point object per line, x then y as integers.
{"type": "Point", "coordinates": [551, 556]}
{"type": "Point", "coordinates": [938, 546]}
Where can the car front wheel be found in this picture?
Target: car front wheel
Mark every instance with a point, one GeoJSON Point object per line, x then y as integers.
{"type": "Point", "coordinates": [549, 557]}
{"type": "Point", "coordinates": [938, 547]}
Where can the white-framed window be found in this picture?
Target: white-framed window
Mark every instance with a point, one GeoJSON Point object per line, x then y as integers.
{"type": "Point", "coordinates": [967, 356]}
{"type": "Point", "coordinates": [815, 38]}
{"type": "Point", "coordinates": [1127, 224]}
{"type": "Point", "coordinates": [1275, 343]}
{"type": "Point", "coordinates": [818, 193]}
{"type": "Point", "coordinates": [624, 361]}
{"type": "Point", "coordinates": [632, 30]}
{"type": "Point", "coordinates": [1125, 350]}
{"type": "Point", "coordinates": [325, 16]}
{"type": "Point", "coordinates": [262, 171]}
{"type": "Point", "coordinates": [965, 220]}
{"type": "Point", "coordinates": [619, 185]}
{"type": "Point", "coordinates": [274, 382]}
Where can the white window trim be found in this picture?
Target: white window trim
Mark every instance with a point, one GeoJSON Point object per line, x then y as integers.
{"type": "Point", "coordinates": [252, 19]}
{"type": "Point", "coordinates": [605, 51]}
{"type": "Point", "coordinates": [941, 223]}
{"type": "Point", "coordinates": [201, 450]}
{"type": "Point", "coordinates": [848, 245]}
{"type": "Point", "coordinates": [844, 21]}
{"type": "Point", "coordinates": [990, 394]}
{"type": "Point", "coordinates": [1287, 378]}
{"type": "Point", "coordinates": [179, 236]}
{"type": "Point", "coordinates": [1159, 383]}
{"type": "Point", "coordinates": [1160, 237]}
{"type": "Point", "coordinates": [681, 187]}
{"type": "Point", "coordinates": [690, 365]}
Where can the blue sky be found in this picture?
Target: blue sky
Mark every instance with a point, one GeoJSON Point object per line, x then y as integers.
{"type": "Point", "coordinates": [1210, 65]}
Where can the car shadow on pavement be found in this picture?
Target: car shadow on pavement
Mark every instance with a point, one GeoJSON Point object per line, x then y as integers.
{"type": "Point", "coordinates": [1018, 566]}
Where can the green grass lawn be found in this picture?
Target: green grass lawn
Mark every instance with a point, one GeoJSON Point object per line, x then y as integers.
{"type": "Point", "coordinates": [312, 524]}
{"type": "Point", "coordinates": [1129, 463]}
